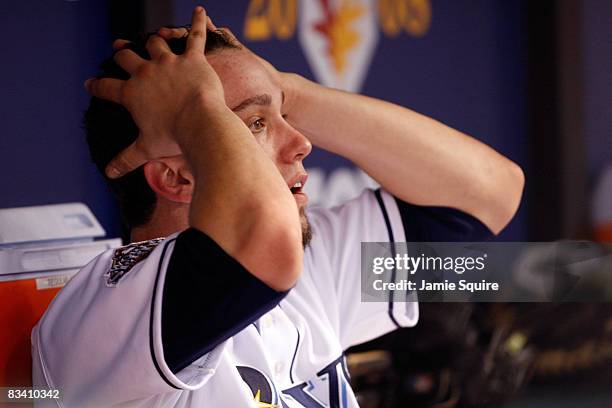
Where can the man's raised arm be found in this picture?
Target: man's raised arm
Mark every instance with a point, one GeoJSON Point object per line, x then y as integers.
{"type": "Point", "coordinates": [418, 159]}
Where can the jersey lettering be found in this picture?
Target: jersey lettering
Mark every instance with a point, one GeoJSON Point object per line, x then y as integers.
{"type": "Point", "coordinates": [337, 376]}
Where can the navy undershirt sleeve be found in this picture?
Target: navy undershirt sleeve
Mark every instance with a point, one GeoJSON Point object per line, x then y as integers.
{"type": "Point", "coordinates": [208, 297]}
{"type": "Point", "coordinates": [440, 224]}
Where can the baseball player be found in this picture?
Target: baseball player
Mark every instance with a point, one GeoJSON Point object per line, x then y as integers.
{"type": "Point", "coordinates": [234, 295]}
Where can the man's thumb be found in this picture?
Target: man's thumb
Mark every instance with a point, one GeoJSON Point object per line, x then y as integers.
{"type": "Point", "coordinates": [127, 160]}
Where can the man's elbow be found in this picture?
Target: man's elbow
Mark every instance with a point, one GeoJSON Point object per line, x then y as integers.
{"type": "Point", "coordinates": [508, 192]}
{"type": "Point", "coordinates": [274, 253]}
{"type": "Point", "coordinates": [287, 258]}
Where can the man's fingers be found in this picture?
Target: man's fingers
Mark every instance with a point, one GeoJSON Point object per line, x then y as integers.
{"type": "Point", "coordinates": [229, 35]}
{"type": "Point", "coordinates": [106, 88]}
{"type": "Point", "coordinates": [129, 159]}
{"type": "Point", "coordinates": [119, 44]}
{"type": "Point", "coordinates": [197, 34]}
{"type": "Point", "coordinates": [128, 60]}
{"type": "Point", "coordinates": [169, 33]}
{"type": "Point", "coordinates": [157, 46]}
{"type": "Point", "coordinates": [210, 25]}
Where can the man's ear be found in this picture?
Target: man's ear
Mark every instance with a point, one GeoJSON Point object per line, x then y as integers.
{"type": "Point", "coordinates": [170, 178]}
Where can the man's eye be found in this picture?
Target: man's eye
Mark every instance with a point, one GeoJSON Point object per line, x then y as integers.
{"type": "Point", "coordinates": [257, 125]}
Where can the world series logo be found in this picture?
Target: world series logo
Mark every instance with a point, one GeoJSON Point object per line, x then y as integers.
{"type": "Point", "coordinates": [338, 37]}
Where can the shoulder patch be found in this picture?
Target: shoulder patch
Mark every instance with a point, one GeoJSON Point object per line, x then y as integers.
{"type": "Point", "coordinates": [126, 257]}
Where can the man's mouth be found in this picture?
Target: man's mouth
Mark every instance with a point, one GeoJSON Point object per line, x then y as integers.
{"type": "Point", "coordinates": [297, 188]}
{"type": "Point", "coordinates": [296, 185]}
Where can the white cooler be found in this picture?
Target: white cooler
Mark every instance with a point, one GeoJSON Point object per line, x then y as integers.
{"type": "Point", "coordinates": [41, 248]}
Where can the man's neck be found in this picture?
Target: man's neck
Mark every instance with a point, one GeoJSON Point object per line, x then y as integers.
{"type": "Point", "coordinates": [164, 222]}
{"type": "Point", "coordinates": [146, 233]}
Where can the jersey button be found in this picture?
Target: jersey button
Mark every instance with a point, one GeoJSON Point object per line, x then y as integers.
{"type": "Point", "coordinates": [278, 367]}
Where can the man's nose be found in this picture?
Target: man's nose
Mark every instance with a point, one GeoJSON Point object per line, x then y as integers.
{"type": "Point", "coordinates": [295, 147]}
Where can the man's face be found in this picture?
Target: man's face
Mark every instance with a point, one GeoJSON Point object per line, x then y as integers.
{"type": "Point", "coordinates": [254, 94]}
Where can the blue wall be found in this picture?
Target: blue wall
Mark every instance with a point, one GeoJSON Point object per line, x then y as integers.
{"type": "Point", "coordinates": [49, 49]}
{"type": "Point", "coordinates": [597, 37]}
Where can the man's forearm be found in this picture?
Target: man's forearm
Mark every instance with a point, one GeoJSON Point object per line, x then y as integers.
{"type": "Point", "coordinates": [418, 159]}
{"type": "Point", "coordinates": [240, 198]}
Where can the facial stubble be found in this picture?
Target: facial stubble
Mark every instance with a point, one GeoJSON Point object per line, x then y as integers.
{"type": "Point", "coordinates": [306, 230]}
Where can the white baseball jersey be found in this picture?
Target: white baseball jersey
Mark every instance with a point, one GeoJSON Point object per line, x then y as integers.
{"type": "Point", "coordinates": [177, 322]}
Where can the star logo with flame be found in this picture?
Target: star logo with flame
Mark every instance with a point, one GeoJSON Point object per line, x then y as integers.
{"type": "Point", "coordinates": [260, 404]}
{"type": "Point", "coordinates": [337, 27]}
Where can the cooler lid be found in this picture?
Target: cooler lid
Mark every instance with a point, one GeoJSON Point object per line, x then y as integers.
{"type": "Point", "coordinates": [70, 221]}
{"type": "Point", "coordinates": [45, 258]}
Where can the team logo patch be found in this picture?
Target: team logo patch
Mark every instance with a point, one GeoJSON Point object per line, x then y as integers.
{"type": "Point", "coordinates": [264, 393]}
{"type": "Point", "coordinates": [339, 38]}
{"type": "Point", "coordinates": [126, 257]}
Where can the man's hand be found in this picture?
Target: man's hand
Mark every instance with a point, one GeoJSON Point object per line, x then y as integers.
{"type": "Point", "coordinates": [160, 94]}
{"type": "Point", "coordinates": [288, 82]}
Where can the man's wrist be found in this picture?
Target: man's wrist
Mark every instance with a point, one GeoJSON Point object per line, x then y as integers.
{"type": "Point", "coordinates": [293, 85]}
{"type": "Point", "coordinates": [201, 109]}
